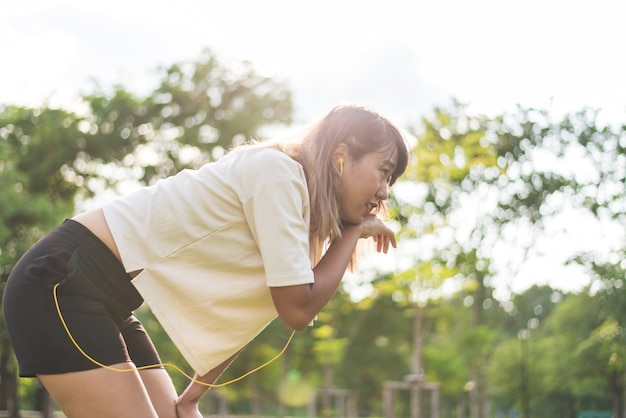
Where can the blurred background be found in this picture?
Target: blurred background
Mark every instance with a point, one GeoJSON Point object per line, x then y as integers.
{"type": "Point", "coordinates": [504, 298]}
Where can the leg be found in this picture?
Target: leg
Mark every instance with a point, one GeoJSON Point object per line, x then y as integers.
{"type": "Point", "coordinates": [161, 391]}
{"type": "Point", "coordinates": [156, 380]}
{"type": "Point", "coordinates": [101, 393]}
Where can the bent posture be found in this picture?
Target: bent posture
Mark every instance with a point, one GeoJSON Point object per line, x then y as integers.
{"type": "Point", "coordinates": [217, 253]}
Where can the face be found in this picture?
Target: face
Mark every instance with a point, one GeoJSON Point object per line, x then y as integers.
{"type": "Point", "coordinates": [365, 184]}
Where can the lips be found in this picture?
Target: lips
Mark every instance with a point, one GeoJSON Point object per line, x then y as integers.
{"type": "Point", "coordinates": [371, 206]}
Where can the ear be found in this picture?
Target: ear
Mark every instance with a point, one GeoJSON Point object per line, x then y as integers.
{"type": "Point", "coordinates": [341, 152]}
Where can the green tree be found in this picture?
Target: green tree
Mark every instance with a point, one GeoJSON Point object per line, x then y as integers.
{"type": "Point", "coordinates": [480, 194]}
{"type": "Point", "coordinates": [568, 377]}
{"type": "Point", "coordinates": [52, 159]}
{"type": "Point", "coordinates": [455, 161]}
{"type": "Point", "coordinates": [199, 111]}
{"type": "Point", "coordinates": [583, 171]}
{"type": "Point", "coordinates": [34, 197]}
{"type": "Point", "coordinates": [532, 366]}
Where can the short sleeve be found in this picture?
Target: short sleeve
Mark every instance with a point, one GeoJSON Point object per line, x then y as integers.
{"type": "Point", "coordinates": [278, 216]}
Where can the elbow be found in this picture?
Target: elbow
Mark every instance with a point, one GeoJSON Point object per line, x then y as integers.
{"type": "Point", "coordinates": [294, 305]}
{"type": "Point", "coordinates": [297, 327]}
{"type": "Point", "coordinates": [297, 322]}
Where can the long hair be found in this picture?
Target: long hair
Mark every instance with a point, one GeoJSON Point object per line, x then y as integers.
{"type": "Point", "coordinates": [364, 132]}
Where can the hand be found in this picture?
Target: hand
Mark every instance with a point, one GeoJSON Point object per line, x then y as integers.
{"type": "Point", "coordinates": [372, 226]}
{"type": "Point", "coordinates": [187, 409]}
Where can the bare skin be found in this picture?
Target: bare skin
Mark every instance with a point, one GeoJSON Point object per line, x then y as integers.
{"type": "Point", "coordinates": [298, 305]}
{"type": "Point", "coordinates": [96, 222]}
{"type": "Point", "coordinates": [102, 393]}
{"type": "Point", "coordinates": [150, 393]}
{"type": "Point", "coordinates": [107, 393]}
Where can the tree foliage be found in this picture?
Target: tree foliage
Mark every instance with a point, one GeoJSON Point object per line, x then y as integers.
{"type": "Point", "coordinates": [52, 159]}
{"type": "Point", "coordinates": [481, 192]}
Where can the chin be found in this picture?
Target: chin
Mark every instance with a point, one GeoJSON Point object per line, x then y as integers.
{"type": "Point", "coordinates": [353, 221]}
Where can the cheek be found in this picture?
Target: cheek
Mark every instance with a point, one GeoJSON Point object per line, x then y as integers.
{"type": "Point", "coordinates": [372, 181]}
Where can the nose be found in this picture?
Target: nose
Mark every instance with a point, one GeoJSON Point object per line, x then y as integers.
{"type": "Point", "coordinates": [383, 191]}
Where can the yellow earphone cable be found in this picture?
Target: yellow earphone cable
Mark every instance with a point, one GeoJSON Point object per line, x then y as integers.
{"type": "Point", "coordinates": [173, 366]}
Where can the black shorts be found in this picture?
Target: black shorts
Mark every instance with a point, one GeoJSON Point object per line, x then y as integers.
{"type": "Point", "coordinates": [96, 299]}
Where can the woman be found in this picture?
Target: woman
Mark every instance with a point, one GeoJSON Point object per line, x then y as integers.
{"type": "Point", "coordinates": [217, 253]}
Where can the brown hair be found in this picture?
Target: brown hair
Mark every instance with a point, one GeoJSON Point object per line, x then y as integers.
{"type": "Point", "coordinates": [364, 132]}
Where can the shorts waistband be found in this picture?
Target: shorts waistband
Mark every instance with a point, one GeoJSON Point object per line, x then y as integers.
{"type": "Point", "coordinates": [98, 267]}
{"type": "Point", "coordinates": [74, 232]}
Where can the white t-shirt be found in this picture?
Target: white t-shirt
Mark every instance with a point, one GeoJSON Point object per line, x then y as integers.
{"type": "Point", "coordinates": [211, 242]}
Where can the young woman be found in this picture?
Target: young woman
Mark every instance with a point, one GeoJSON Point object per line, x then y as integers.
{"type": "Point", "coordinates": [217, 253]}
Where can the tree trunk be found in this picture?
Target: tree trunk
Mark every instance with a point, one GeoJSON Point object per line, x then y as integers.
{"type": "Point", "coordinates": [418, 341]}
{"type": "Point", "coordinates": [45, 404]}
{"type": "Point", "coordinates": [9, 399]}
{"type": "Point", "coordinates": [255, 401]}
{"type": "Point", "coordinates": [616, 393]}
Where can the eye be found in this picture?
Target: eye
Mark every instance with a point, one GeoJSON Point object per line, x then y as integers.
{"type": "Point", "coordinates": [386, 173]}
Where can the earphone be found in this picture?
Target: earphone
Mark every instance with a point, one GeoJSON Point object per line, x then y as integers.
{"type": "Point", "coordinates": [173, 366]}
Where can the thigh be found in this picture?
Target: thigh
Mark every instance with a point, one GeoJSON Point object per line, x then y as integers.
{"type": "Point", "coordinates": [155, 379]}
{"type": "Point", "coordinates": [101, 393]}
{"type": "Point", "coordinates": [161, 391]}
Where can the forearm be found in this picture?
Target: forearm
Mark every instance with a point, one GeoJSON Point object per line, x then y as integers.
{"type": "Point", "coordinates": [298, 305]}
{"type": "Point", "coordinates": [194, 391]}
{"type": "Point", "coordinates": [330, 270]}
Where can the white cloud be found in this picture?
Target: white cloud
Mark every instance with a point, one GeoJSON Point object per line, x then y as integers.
{"type": "Point", "coordinates": [404, 56]}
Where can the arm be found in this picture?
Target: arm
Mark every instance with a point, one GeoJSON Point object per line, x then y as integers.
{"type": "Point", "coordinates": [187, 403]}
{"type": "Point", "coordinates": [297, 305]}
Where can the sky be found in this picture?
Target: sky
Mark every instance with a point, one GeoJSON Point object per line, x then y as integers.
{"type": "Point", "coordinates": [402, 58]}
